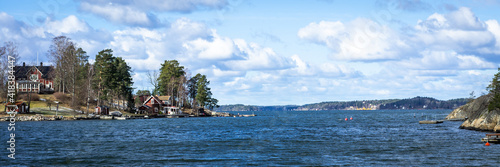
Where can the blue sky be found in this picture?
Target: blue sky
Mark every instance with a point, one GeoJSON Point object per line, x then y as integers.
{"type": "Point", "coordinates": [280, 52]}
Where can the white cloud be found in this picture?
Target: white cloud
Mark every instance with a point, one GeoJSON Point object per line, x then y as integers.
{"type": "Point", "coordinates": [10, 29]}
{"type": "Point", "coordinates": [303, 89]}
{"type": "Point", "coordinates": [218, 48]}
{"type": "Point", "coordinates": [459, 30]}
{"type": "Point", "coordinates": [302, 68]}
{"type": "Point", "coordinates": [68, 25]}
{"type": "Point", "coordinates": [322, 31]}
{"type": "Point", "coordinates": [140, 13]}
{"type": "Point", "coordinates": [216, 73]}
{"type": "Point", "coordinates": [359, 40]}
{"type": "Point", "coordinates": [494, 28]}
{"type": "Point", "coordinates": [254, 57]}
{"type": "Point", "coordinates": [443, 51]}
{"type": "Point", "coordinates": [120, 14]}
{"type": "Point", "coordinates": [37, 39]}
{"type": "Point", "coordinates": [461, 19]}
{"type": "Point", "coordinates": [184, 29]}
{"type": "Point", "coordinates": [445, 60]}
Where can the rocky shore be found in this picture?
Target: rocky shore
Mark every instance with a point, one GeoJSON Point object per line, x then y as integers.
{"type": "Point", "coordinates": [477, 115]}
{"type": "Point", "coordinates": [36, 117]}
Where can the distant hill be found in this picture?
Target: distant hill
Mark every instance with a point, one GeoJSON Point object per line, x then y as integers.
{"type": "Point", "coordinates": [389, 104]}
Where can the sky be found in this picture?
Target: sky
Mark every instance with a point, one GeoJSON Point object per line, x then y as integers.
{"type": "Point", "coordinates": [279, 52]}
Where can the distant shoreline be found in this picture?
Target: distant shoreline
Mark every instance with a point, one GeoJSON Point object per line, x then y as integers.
{"type": "Point", "coordinates": [416, 103]}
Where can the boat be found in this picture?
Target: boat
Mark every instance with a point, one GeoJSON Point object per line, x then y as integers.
{"type": "Point", "coordinates": [174, 112]}
{"type": "Point", "coordinates": [121, 118]}
{"type": "Point", "coordinates": [491, 138]}
{"type": "Point", "coordinates": [116, 113]}
{"type": "Point", "coordinates": [430, 122]}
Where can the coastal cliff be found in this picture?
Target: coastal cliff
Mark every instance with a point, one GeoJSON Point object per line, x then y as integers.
{"type": "Point", "coordinates": [478, 116]}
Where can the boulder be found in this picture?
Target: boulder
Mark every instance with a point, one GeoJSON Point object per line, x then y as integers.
{"type": "Point", "coordinates": [479, 117]}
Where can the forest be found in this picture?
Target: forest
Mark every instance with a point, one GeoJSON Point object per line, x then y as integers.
{"type": "Point", "coordinates": [388, 104]}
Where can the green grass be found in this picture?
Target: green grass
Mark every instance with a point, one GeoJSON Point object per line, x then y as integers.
{"type": "Point", "coordinates": [47, 112]}
{"type": "Point", "coordinates": [40, 107]}
{"type": "Point", "coordinates": [38, 104]}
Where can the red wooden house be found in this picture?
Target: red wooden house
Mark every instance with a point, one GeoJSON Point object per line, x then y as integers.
{"type": "Point", "coordinates": [102, 110]}
{"type": "Point", "coordinates": [22, 107]}
{"type": "Point", "coordinates": [35, 79]}
{"type": "Point", "coordinates": [155, 104]}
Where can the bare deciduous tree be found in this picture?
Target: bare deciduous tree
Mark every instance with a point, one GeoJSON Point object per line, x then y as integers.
{"type": "Point", "coordinates": [9, 49]}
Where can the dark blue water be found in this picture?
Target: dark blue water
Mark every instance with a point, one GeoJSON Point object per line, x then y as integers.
{"type": "Point", "coordinates": [317, 138]}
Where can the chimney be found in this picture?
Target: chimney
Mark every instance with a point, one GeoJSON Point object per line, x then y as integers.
{"type": "Point", "coordinates": [41, 64]}
{"type": "Point", "coordinates": [24, 64]}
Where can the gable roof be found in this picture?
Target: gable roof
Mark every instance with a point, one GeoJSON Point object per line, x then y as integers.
{"type": "Point", "coordinates": [22, 71]}
{"type": "Point", "coordinates": [152, 98]}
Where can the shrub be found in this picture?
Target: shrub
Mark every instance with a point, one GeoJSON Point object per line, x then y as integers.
{"type": "Point", "coordinates": [35, 97]}
{"type": "Point", "coordinates": [25, 97]}
{"type": "Point", "coordinates": [61, 97]}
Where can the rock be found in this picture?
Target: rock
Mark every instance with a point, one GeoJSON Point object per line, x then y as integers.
{"type": "Point", "coordinates": [479, 117]}
{"type": "Point", "coordinates": [470, 109]}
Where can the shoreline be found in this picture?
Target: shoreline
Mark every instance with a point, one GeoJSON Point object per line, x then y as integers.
{"type": "Point", "coordinates": [41, 117]}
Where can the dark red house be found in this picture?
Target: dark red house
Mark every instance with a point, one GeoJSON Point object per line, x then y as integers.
{"type": "Point", "coordinates": [35, 79]}
{"type": "Point", "coordinates": [155, 104]}
{"type": "Point", "coordinates": [101, 110]}
{"type": "Point", "coordinates": [21, 108]}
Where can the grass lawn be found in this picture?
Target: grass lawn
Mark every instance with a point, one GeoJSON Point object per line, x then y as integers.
{"type": "Point", "coordinates": [40, 107]}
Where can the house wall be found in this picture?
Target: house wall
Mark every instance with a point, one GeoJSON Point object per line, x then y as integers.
{"type": "Point", "coordinates": [45, 83]}
{"type": "Point", "coordinates": [155, 105]}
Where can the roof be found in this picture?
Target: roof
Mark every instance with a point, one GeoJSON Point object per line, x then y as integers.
{"type": "Point", "coordinates": [22, 71]}
{"type": "Point", "coordinates": [164, 98]}
{"type": "Point", "coordinates": [17, 103]}
{"type": "Point", "coordinates": [151, 97]}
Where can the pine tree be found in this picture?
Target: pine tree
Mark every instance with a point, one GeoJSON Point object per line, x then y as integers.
{"type": "Point", "coordinates": [494, 89]}
{"type": "Point", "coordinates": [170, 80]}
{"type": "Point", "coordinates": [203, 91]}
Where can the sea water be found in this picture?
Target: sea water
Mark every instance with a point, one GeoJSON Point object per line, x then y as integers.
{"type": "Point", "coordinates": [281, 138]}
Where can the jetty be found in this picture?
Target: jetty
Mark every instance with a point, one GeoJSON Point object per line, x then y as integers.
{"type": "Point", "coordinates": [430, 122]}
{"type": "Point", "coordinates": [491, 138]}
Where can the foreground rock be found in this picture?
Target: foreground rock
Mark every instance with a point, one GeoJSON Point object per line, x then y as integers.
{"type": "Point", "coordinates": [477, 115]}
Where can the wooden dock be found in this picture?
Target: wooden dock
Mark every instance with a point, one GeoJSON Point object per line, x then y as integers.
{"type": "Point", "coordinates": [491, 138]}
{"type": "Point", "coordinates": [430, 122]}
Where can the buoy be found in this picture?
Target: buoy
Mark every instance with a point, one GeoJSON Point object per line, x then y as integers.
{"type": "Point", "coordinates": [351, 118]}
{"type": "Point", "coordinates": [487, 144]}
{"type": "Point", "coordinates": [346, 119]}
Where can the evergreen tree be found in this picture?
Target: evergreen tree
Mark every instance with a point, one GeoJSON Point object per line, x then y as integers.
{"type": "Point", "coordinates": [494, 89]}
{"type": "Point", "coordinates": [170, 80]}
{"type": "Point", "coordinates": [124, 83]}
{"type": "Point", "coordinates": [112, 79]}
{"type": "Point", "coordinates": [213, 104]}
{"type": "Point", "coordinates": [193, 88]}
{"type": "Point", "coordinates": [103, 80]}
{"type": "Point", "coordinates": [203, 91]}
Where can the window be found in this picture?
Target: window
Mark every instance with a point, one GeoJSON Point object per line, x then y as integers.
{"type": "Point", "coordinates": [34, 77]}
